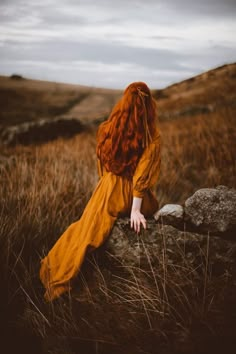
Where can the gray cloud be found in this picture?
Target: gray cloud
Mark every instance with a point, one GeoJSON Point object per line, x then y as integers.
{"type": "Point", "coordinates": [166, 39]}
{"type": "Point", "coordinates": [109, 53]}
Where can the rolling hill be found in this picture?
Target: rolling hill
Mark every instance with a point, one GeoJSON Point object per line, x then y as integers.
{"type": "Point", "coordinates": [36, 111]}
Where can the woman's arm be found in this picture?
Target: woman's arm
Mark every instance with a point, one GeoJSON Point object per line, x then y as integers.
{"type": "Point", "coordinates": [145, 176]}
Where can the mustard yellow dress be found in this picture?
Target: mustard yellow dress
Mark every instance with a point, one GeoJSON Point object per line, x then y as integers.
{"type": "Point", "coordinates": [111, 198]}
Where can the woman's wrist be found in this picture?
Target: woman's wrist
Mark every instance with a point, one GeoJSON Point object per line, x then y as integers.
{"type": "Point", "coordinates": [136, 204]}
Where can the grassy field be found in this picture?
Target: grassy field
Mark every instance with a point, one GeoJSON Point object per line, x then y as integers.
{"type": "Point", "coordinates": [211, 90]}
{"type": "Point", "coordinates": [45, 188]}
{"type": "Point", "coordinates": [27, 100]}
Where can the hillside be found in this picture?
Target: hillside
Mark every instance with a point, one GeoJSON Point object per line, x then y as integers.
{"type": "Point", "coordinates": [27, 100]}
{"type": "Point", "coordinates": [24, 100]}
{"type": "Point", "coordinates": [204, 93]}
{"type": "Point", "coordinates": [37, 111]}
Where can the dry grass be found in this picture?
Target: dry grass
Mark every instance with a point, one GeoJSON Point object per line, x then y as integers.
{"type": "Point", "coordinates": [114, 309]}
{"type": "Point", "coordinates": [31, 100]}
{"type": "Point", "coordinates": [197, 152]}
{"type": "Point", "coordinates": [20, 104]}
{"type": "Point", "coordinates": [216, 87]}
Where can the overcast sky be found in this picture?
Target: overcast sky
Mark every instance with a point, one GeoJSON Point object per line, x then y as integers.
{"type": "Point", "coordinates": [110, 43]}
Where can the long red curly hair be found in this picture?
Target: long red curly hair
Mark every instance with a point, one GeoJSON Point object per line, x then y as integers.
{"type": "Point", "coordinates": [130, 127]}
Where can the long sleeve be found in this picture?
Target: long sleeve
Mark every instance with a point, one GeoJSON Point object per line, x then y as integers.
{"type": "Point", "coordinates": [148, 168]}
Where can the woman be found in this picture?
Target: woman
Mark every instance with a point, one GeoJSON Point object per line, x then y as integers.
{"type": "Point", "coordinates": [129, 159]}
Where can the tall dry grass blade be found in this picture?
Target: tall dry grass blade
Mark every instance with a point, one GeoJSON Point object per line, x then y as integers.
{"type": "Point", "coordinates": [35, 306]}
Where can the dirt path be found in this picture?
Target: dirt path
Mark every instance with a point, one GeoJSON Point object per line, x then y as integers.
{"type": "Point", "coordinates": [94, 106]}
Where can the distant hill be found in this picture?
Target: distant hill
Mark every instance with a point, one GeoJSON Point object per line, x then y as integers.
{"type": "Point", "coordinates": [30, 100]}
{"type": "Point", "coordinates": [30, 109]}
{"type": "Point", "coordinates": [203, 93]}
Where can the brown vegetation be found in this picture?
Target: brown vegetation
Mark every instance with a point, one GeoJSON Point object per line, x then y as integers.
{"type": "Point", "coordinates": [45, 188]}
{"type": "Point", "coordinates": [206, 92]}
{"type": "Point", "coordinates": [113, 309]}
{"type": "Point", "coordinates": [33, 100]}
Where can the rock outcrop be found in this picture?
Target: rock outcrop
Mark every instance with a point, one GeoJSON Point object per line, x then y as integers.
{"type": "Point", "coordinates": [41, 131]}
{"type": "Point", "coordinates": [212, 209]}
{"type": "Point", "coordinates": [208, 210]}
{"type": "Point", "coordinates": [203, 227]}
{"type": "Point", "coordinates": [160, 243]}
{"type": "Point", "coordinates": [171, 214]}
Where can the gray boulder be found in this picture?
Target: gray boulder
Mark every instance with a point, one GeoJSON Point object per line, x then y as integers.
{"type": "Point", "coordinates": [164, 243]}
{"type": "Point", "coordinates": [170, 214]}
{"type": "Point", "coordinates": [212, 210]}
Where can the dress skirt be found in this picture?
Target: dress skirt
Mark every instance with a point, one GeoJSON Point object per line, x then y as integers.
{"type": "Point", "coordinates": [112, 198]}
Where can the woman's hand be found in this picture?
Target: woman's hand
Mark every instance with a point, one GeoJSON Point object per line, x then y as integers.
{"type": "Point", "coordinates": [136, 218]}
